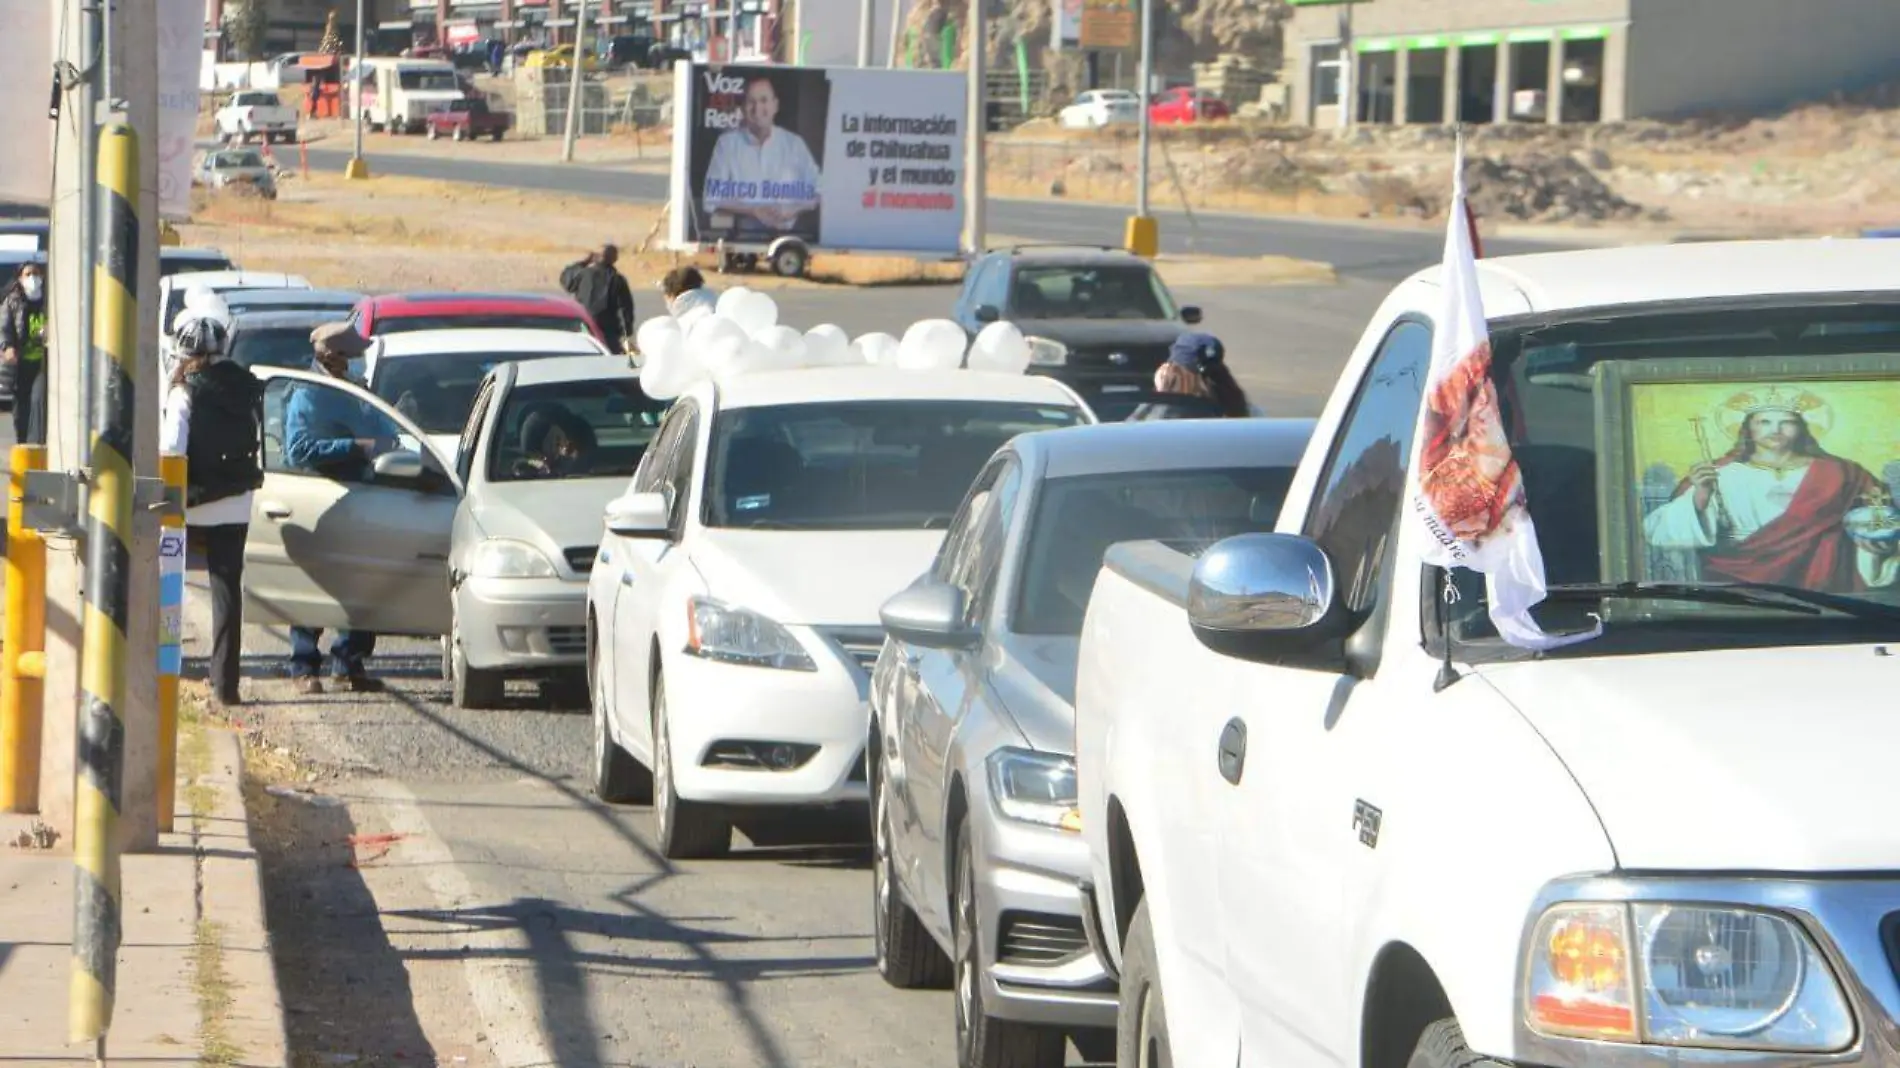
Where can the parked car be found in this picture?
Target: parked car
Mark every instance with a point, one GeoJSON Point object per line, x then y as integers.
{"type": "Point", "coordinates": [336, 302]}
{"type": "Point", "coordinates": [466, 120]}
{"type": "Point", "coordinates": [1098, 108]}
{"type": "Point", "coordinates": [177, 259]}
{"type": "Point", "coordinates": [626, 50]}
{"type": "Point", "coordinates": [402, 313]}
{"type": "Point", "coordinates": [976, 852]}
{"type": "Point", "coordinates": [172, 288]}
{"type": "Point", "coordinates": [255, 113]}
{"type": "Point", "coordinates": [1625, 850]}
{"type": "Point", "coordinates": [273, 337]}
{"type": "Point", "coordinates": [560, 56]}
{"type": "Point", "coordinates": [662, 56]}
{"type": "Point", "coordinates": [528, 527]}
{"type": "Point", "coordinates": [235, 168]}
{"type": "Point", "coordinates": [732, 610]}
{"type": "Point", "coordinates": [1099, 319]}
{"type": "Point", "coordinates": [432, 376]}
{"type": "Point", "coordinates": [1186, 104]}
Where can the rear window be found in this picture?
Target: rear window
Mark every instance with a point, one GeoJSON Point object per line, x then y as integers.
{"type": "Point", "coordinates": [168, 266]}
{"type": "Point", "coordinates": [257, 100]}
{"type": "Point", "coordinates": [277, 346]}
{"type": "Point", "coordinates": [437, 391]}
{"type": "Point", "coordinates": [409, 324]}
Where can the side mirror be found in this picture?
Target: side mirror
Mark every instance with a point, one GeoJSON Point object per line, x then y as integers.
{"type": "Point", "coordinates": [1190, 315]}
{"type": "Point", "coordinates": [928, 614]}
{"type": "Point", "coordinates": [640, 515]}
{"type": "Point", "coordinates": [988, 313]}
{"type": "Point", "coordinates": [1269, 598]}
{"type": "Point", "coordinates": [398, 466]}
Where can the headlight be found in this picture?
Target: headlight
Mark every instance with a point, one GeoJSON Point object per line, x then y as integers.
{"type": "Point", "coordinates": [504, 558]}
{"type": "Point", "coordinates": [1046, 353]}
{"type": "Point", "coordinates": [1035, 788]}
{"type": "Point", "coordinates": [738, 636]}
{"type": "Point", "coordinates": [1718, 977]}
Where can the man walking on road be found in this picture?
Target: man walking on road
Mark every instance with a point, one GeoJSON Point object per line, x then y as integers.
{"type": "Point", "coordinates": [328, 432]}
{"type": "Point", "coordinates": [600, 288]}
{"type": "Point", "coordinates": [23, 344]}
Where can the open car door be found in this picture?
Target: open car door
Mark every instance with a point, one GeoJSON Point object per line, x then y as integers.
{"type": "Point", "coordinates": [363, 544]}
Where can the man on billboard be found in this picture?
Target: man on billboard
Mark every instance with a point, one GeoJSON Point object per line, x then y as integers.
{"type": "Point", "coordinates": [760, 172]}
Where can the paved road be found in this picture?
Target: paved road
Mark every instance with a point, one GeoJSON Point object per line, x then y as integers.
{"type": "Point", "coordinates": [1357, 250]}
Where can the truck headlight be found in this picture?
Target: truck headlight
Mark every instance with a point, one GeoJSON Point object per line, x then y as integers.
{"type": "Point", "coordinates": [505, 558]}
{"type": "Point", "coordinates": [718, 631]}
{"type": "Point", "coordinates": [1045, 352]}
{"type": "Point", "coordinates": [1710, 976]}
{"type": "Point", "coordinates": [1035, 788]}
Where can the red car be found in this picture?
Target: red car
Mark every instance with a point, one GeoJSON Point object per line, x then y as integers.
{"type": "Point", "coordinates": [402, 313]}
{"type": "Point", "coordinates": [1185, 104]}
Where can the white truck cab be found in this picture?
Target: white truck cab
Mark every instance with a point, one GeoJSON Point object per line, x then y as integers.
{"type": "Point", "coordinates": [398, 94]}
{"type": "Point", "coordinates": [1334, 820]}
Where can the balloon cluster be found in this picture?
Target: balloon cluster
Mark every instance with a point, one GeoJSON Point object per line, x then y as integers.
{"type": "Point", "coordinates": [201, 302]}
{"type": "Point", "coordinates": [743, 335]}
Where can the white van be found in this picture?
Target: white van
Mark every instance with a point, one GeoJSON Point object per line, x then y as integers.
{"type": "Point", "coordinates": [397, 94]}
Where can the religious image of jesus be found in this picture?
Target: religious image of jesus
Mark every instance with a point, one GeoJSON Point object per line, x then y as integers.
{"type": "Point", "coordinates": [1770, 510]}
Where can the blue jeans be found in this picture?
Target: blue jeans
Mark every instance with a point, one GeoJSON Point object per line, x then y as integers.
{"type": "Point", "coordinates": [348, 650]}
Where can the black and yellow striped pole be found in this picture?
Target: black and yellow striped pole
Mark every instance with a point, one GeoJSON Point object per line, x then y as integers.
{"type": "Point", "coordinates": [100, 760]}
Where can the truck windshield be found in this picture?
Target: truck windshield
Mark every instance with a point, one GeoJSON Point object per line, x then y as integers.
{"type": "Point", "coordinates": [585, 429]}
{"type": "Point", "coordinates": [1094, 291]}
{"type": "Point", "coordinates": [1077, 519]}
{"type": "Point", "coordinates": [427, 79]}
{"type": "Point", "coordinates": [859, 465]}
{"type": "Point", "coordinates": [1749, 446]}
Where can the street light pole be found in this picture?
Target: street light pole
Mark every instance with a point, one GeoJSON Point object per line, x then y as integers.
{"type": "Point", "coordinates": [1348, 74]}
{"type": "Point", "coordinates": [577, 80]}
{"type": "Point", "coordinates": [357, 168]}
{"type": "Point", "coordinates": [975, 181]}
{"type": "Point", "coordinates": [1147, 87]}
{"type": "Point", "coordinates": [867, 18]}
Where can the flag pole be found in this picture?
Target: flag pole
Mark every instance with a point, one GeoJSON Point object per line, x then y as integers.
{"type": "Point", "coordinates": [1471, 217]}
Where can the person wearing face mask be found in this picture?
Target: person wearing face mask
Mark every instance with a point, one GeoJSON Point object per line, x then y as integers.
{"type": "Point", "coordinates": [330, 433]}
{"type": "Point", "coordinates": [23, 345]}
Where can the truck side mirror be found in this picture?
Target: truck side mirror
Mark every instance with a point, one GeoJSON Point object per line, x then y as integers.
{"type": "Point", "coordinates": [1269, 598]}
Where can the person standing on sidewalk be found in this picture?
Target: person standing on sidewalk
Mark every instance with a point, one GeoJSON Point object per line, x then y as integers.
{"type": "Point", "coordinates": [23, 344]}
{"type": "Point", "coordinates": [600, 288]}
{"type": "Point", "coordinates": [220, 446]}
{"type": "Point", "coordinates": [328, 432]}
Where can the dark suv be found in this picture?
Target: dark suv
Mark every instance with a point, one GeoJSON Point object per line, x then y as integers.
{"type": "Point", "coordinates": [1099, 319]}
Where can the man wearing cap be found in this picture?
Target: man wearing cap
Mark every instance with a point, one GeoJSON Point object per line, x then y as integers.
{"type": "Point", "coordinates": [328, 432]}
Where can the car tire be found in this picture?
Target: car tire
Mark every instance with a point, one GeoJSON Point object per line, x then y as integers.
{"type": "Point", "coordinates": [618, 778]}
{"type": "Point", "coordinates": [790, 260]}
{"type": "Point", "coordinates": [687, 830]}
{"type": "Point", "coordinates": [496, 136]}
{"type": "Point", "coordinates": [1141, 1023]}
{"type": "Point", "coordinates": [471, 688]}
{"type": "Point", "coordinates": [907, 957]}
{"type": "Point", "coordinates": [1442, 1045]}
{"type": "Point", "coordinates": [983, 1041]}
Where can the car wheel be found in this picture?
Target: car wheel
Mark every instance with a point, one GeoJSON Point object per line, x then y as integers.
{"type": "Point", "coordinates": [984, 1041]}
{"type": "Point", "coordinates": [1442, 1045]}
{"type": "Point", "coordinates": [687, 830]}
{"type": "Point", "coordinates": [496, 136]}
{"type": "Point", "coordinates": [618, 778]}
{"type": "Point", "coordinates": [471, 688]}
{"type": "Point", "coordinates": [1141, 1022]}
{"type": "Point", "coordinates": [907, 957]}
{"type": "Point", "coordinates": [790, 260]}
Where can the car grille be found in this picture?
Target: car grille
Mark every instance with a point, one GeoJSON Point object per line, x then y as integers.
{"type": "Point", "coordinates": [567, 641]}
{"type": "Point", "coordinates": [861, 644]}
{"type": "Point", "coordinates": [581, 558]}
{"type": "Point", "coordinates": [1101, 357]}
{"type": "Point", "coordinates": [1038, 940]}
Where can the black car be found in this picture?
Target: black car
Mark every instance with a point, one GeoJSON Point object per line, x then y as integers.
{"type": "Point", "coordinates": [1099, 319]}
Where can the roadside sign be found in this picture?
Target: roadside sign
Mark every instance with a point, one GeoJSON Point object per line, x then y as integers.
{"type": "Point", "coordinates": [1110, 25]}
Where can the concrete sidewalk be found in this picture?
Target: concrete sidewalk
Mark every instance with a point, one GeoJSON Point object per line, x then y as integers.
{"type": "Point", "coordinates": [195, 980]}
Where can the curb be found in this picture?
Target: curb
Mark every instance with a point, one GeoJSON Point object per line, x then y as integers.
{"type": "Point", "coordinates": [247, 1022]}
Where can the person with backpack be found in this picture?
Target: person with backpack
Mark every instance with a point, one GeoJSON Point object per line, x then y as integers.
{"type": "Point", "coordinates": [599, 286]}
{"type": "Point", "coordinates": [213, 415]}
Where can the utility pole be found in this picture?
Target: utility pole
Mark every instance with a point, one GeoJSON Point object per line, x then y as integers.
{"type": "Point", "coordinates": [975, 181]}
{"type": "Point", "coordinates": [867, 23]}
{"type": "Point", "coordinates": [1144, 234]}
{"type": "Point", "coordinates": [577, 79]}
{"type": "Point", "coordinates": [357, 168]}
{"type": "Point", "coordinates": [1348, 72]}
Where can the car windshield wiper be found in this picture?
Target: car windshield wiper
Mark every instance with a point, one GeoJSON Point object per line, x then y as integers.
{"type": "Point", "coordinates": [1747, 594]}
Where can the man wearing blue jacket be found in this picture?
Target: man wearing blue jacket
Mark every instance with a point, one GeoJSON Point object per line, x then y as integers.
{"type": "Point", "coordinates": [327, 432]}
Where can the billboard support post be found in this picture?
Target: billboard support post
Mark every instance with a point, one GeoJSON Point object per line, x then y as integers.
{"type": "Point", "coordinates": [867, 21]}
{"type": "Point", "coordinates": [356, 167]}
{"type": "Point", "coordinates": [974, 183]}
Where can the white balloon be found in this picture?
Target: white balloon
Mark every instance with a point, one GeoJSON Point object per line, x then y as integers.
{"type": "Point", "coordinates": [730, 300]}
{"type": "Point", "coordinates": [932, 344]}
{"type": "Point", "coordinates": [725, 357]}
{"type": "Point", "coordinates": [666, 373]}
{"type": "Point", "coordinates": [658, 333]}
{"type": "Point", "coordinates": [751, 309]}
{"type": "Point", "coordinates": [1001, 347]}
{"type": "Point", "coordinates": [787, 346]}
{"type": "Point", "coordinates": [827, 345]}
{"type": "Point", "coordinates": [877, 349]}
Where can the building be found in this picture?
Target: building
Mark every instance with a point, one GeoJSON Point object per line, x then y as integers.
{"type": "Point", "coordinates": [1483, 61]}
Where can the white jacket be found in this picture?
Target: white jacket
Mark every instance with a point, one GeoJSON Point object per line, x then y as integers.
{"type": "Point", "coordinates": [693, 305]}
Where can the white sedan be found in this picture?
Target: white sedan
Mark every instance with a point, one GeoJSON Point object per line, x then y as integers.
{"type": "Point", "coordinates": [732, 617]}
{"type": "Point", "coordinates": [1097, 108]}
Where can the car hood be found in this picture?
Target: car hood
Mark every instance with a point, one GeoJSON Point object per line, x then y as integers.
{"type": "Point", "coordinates": [1035, 682]}
{"type": "Point", "coordinates": [822, 578]}
{"type": "Point", "coordinates": [1744, 760]}
{"type": "Point", "coordinates": [1104, 331]}
{"type": "Point", "coordinates": [554, 515]}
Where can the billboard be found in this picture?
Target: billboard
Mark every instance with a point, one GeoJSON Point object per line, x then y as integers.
{"type": "Point", "coordinates": [1110, 24]}
{"type": "Point", "coordinates": [865, 159]}
{"type": "Point", "coordinates": [26, 54]}
{"type": "Point", "coordinates": [180, 67]}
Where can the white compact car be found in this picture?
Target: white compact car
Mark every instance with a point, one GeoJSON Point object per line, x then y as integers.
{"type": "Point", "coordinates": [733, 606]}
{"type": "Point", "coordinates": [1097, 108]}
{"type": "Point", "coordinates": [431, 375]}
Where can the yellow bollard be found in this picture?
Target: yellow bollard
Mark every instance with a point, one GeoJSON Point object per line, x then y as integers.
{"type": "Point", "coordinates": [171, 605]}
{"type": "Point", "coordinates": [22, 663]}
{"type": "Point", "coordinates": [1144, 235]}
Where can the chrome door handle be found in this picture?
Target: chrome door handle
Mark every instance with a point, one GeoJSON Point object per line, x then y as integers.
{"type": "Point", "coordinates": [1233, 750]}
{"type": "Point", "coordinates": [273, 510]}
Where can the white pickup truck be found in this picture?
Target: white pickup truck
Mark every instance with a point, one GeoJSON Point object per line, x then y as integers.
{"type": "Point", "coordinates": [256, 113]}
{"type": "Point", "coordinates": [1334, 820]}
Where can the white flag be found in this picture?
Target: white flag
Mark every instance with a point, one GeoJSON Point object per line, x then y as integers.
{"type": "Point", "coordinates": [1467, 488]}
